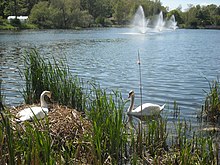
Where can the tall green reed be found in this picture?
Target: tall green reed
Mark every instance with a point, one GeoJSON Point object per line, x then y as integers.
{"type": "Point", "coordinates": [7, 140]}
{"type": "Point", "coordinates": [25, 144]}
{"type": "Point", "coordinates": [198, 150]}
{"type": "Point", "coordinates": [155, 136]}
{"type": "Point", "coordinates": [106, 114]}
{"type": "Point", "coordinates": [212, 102]}
{"type": "Point", "coordinates": [37, 143]}
{"type": "Point", "coordinates": [191, 147]}
{"type": "Point", "coordinates": [185, 148]}
{"type": "Point", "coordinates": [41, 74]}
{"type": "Point", "coordinates": [1, 96]}
{"type": "Point", "coordinates": [148, 143]}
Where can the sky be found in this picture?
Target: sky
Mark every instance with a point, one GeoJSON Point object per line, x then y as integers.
{"type": "Point", "coordinates": [173, 4]}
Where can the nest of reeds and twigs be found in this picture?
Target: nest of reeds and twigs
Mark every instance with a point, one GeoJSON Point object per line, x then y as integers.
{"type": "Point", "coordinates": [64, 123]}
{"type": "Point", "coordinates": [66, 127]}
{"type": "Point", "coordinates": [68, 123]}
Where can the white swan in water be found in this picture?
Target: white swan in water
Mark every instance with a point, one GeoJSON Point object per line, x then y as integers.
{"type": "Point", "coordinates": [28, 114]}
{"type": "Point", "coordinates": [147, 108]}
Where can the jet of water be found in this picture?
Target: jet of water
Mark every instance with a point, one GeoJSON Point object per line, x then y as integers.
{"type": "Point", "coordinates": [142, 25]}
{"type": "Point", "coordinates": [139, 21]}
{"type": "Point", "coordinates": [172, 23]}
{"type": "Point", "coordinates": [160, 22]}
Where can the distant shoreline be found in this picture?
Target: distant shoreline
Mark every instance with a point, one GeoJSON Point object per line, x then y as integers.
{"type": "Point", "coordinates": [212, 27]}
{"type": "Point", "coordinates": [32, 27]}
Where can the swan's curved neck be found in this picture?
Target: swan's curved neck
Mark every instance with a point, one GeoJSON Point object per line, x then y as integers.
{"type": "Point", "coordinates": [131, 107]}
{"type": "Point", "coordinates": [43, 103]}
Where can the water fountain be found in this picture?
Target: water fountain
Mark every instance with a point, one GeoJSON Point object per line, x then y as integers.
{"type": "Point", "coordinates": [143, 25]}
{"type": "Point", "coordinates": [172, 24]}
{"type": "Point", "coordinates": [139, 22]}
{"type": "Point", "coordinates": [160, 22]}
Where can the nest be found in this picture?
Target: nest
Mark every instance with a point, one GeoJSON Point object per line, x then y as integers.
{"type": "Point", "coordinates": [65, 126]}
{"type": "Point", "coordinates": [64, 123]}
{"type": "Point", "coordinates": [67, 123]}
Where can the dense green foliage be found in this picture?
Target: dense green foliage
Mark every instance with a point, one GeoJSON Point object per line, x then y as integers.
{"type": "Point", "coordinates": [88, 13]}
{"type": "Point", "coordinates": [77, 13]}
{"type": "Point", "coordinates": [199, 16]}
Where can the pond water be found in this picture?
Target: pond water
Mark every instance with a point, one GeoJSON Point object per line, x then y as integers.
{"type": "Point", "coordinates": [175, 65]}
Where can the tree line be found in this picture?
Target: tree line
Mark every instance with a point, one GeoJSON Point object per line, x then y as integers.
{"type": "Point", "coordinates": [89, 13]}
{"type": "Point", "coordinates": [198, 16]}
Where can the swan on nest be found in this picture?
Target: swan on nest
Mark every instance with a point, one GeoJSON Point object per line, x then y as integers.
{"type": "Point", "coordinates": [40, 112]}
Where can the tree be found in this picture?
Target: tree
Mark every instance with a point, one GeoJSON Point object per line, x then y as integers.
{"type": "Point", "coordinates": [68, 14]}
{"type": "Point", "coordinates": [60, 14]}
{"type": "Point", "coordinates": [41, 15]}
{"type": "Point", "coordinates": [98, 8]}
{"type": "Point", "coordinates": [121, 11]}
{"type": "Point", "coordinates": [190, 17]}
{"type": "Point", "coordinates": [2, 8]}
{"type": "Point", "coordinates": [213, 11]}
{"type": "Point", "coordinates": [8, 8]}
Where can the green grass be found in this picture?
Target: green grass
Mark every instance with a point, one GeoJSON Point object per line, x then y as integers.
{"type": "Point", "coordinates": [29, 26]}
{"type": "Point", "coordinates": [111, 141]}
{"type": "Point", "coordinates": [211, 109]}
{"type": "Point", "coordinates": [5, 25]}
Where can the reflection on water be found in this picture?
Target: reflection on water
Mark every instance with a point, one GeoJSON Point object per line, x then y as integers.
{"type": "Point", "coordinates": [174, 64]}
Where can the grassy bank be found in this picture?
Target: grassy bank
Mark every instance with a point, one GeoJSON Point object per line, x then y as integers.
{"type": "Point", "coordinates": [102, 133]}
{"type": "Point", "coordinates": [15, 25]}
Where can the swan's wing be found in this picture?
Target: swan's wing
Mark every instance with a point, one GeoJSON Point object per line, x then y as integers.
{"type": "Point", "coordinates": [28, 113]}
{"type": "Point", "coordinates": [25, 114]}
{"type": "Point", "coordinates": [148, 109]}
{"type": "Point", "coordinates": [40, 112]}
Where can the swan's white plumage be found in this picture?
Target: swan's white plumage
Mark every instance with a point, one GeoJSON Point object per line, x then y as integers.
{"type": "Point", "coordinates": [28, 113]}
{"type": "Point", "coordinates": [147, 108]}
{"type": "Point", "coordinates": [40, 112]}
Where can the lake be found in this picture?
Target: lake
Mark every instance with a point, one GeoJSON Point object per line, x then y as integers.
{"type": "Point", "coordinates": [175, 65]}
